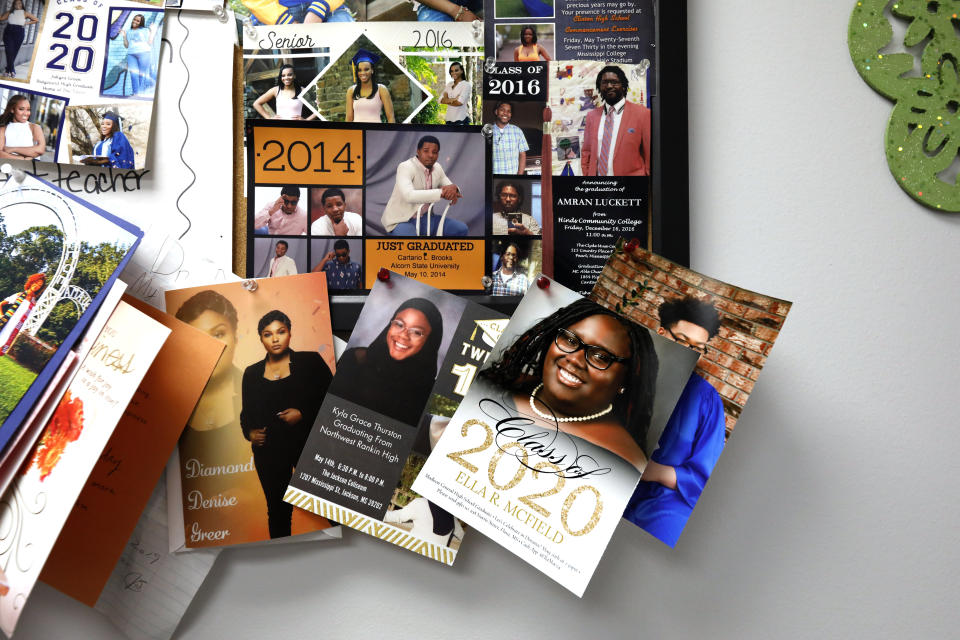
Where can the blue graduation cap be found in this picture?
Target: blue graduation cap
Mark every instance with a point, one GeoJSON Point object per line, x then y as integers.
{"type": "Point", "coordinates": [362, 55]}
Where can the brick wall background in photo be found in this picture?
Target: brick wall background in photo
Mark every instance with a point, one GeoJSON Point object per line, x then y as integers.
{"type": "Point", "coordinates": [749, 322]}
{"type": "Point", "coordinates": [330, 90]}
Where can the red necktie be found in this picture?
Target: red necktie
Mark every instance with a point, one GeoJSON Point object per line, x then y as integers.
{"type": "Point", "coordinates": [602, 168]}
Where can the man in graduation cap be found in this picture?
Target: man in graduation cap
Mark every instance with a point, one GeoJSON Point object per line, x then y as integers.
{"type": "Point", "coordinates": [421, 182]}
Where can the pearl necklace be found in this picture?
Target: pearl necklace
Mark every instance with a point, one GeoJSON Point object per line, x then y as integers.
{"type": "Point", "coordinates": [550, 418]}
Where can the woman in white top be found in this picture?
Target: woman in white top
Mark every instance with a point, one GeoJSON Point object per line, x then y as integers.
{"type": "Point", "coordinates": [20, 138]}
{"type": "Point", "coordinates": [17, 19]}
{"type": "Point", "coordinates": [139, 44]}
{"type": "Point", "coordinates": [366, 100]}
{"type": "Point", "coordinates": [284, 94]}
{"type": "Point", "coordinates": [457, 96]}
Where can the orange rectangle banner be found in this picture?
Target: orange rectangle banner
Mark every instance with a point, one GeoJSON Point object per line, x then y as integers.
{"type": "Point", "coordinates": [454, 265]}
{"type": "Point", "coordinates": [285, 155]}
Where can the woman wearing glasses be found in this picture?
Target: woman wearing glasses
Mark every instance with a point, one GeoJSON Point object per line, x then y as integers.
{"type": "Point", "coordinates": [396, 373]}
{"type": "Point", "coordinates": [281, 397]}
{"type": "Point", "coordinates": [587, 372]}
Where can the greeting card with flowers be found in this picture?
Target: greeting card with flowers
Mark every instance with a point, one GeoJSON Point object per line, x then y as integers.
{"type": "Point", "coordinates": [37, 504]}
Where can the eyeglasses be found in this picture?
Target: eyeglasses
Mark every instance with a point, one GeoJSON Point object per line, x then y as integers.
{"type": "Point", "coordinates": [291, 202]}
{"type": "Point", "coordinates": [597, 357]}
{"type": "Point", "coordinates": [414, 333]}
{"type": "Point", "coordinates": [701, 349]}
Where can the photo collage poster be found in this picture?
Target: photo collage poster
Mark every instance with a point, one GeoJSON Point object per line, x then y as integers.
{"type": "Point", "coordinates": [542, 201]}
{"type": "Point", "coordinates": [367, 128]}
{"type": "Point", "coordinates": [545, 451]}
{"type": "Point", "coordinates": [409, 363]}
{"type": "Point", "coordinates": [59, 258]}
{"type": "Point", "coordinates": [732, 330]}
{"type": "Point", "coordinates": [78, 80]}
{"type": "Point", "coordinates": [235, 457]}
{"type": "Point", "coordinates": [557, 68]}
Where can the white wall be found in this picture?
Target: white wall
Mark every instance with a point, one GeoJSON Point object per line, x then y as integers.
{"type": "Point", "coordinates": [832, 512]}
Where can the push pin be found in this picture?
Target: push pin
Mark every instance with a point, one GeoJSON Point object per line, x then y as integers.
{"type": "Point", "coordinates": [543, 282]}
{"type": "Point", "coordinates": [383, 275]}
{"type": "Point", "coordinates": [220, 12]}
{"type": "Point", "coordinates": [248, 29]}
{"type": "Point", "coordinates": [490, 65]}
{"type": "Point", "coordinates": [477, 30]}
{"type": "Point", "coordinates": [486, 282]}
{"type": "Point", "coordinates": [487, 131]}
{"type": "Point", "coordinates": [249, 284]}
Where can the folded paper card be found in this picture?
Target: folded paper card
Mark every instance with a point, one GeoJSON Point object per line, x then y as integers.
{"type": "Point", "coordinates": [127, 471]}
{"type": "Point", "coordinates": [38, 503]}
{"type": "Point", "coordinates": [58, 257]}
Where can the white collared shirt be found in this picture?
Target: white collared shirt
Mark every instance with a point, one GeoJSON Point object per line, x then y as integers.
{"type": "Point", "coordinates": [617, 116]}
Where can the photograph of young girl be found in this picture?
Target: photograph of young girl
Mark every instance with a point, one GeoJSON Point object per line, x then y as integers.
{"type": "Point", "coordinates": [133, 53]}
{"type": "Point", "coordinates": [273, 84]}
{"type": "Point", "coordinates": [365, 85]}
{"type": "Point", "coordinates": [108, 135]}
{"type": "Point", "coordinates": [29, 124]}
{"type": "Point", "coordinates": [397, 347]}
{"type": "Point", "coordinates": [283, 98]}
{"type": "Point", "coordinates": [568, 364]}
{"type": "Point", "coordinates": [19, 37]}
{"type": "Point", "coordinates": [258, 407]}
{"type": "Point", "coordinates": [525, 42]}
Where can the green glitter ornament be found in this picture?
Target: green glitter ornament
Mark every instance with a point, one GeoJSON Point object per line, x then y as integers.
{"type": "Point", "coordinates": [923, 135]}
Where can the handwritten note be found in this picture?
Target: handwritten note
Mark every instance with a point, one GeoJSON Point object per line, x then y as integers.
{"type": "Point", "coordinates": [150, 589]}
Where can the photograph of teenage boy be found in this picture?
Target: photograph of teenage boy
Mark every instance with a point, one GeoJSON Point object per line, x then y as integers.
{"type": "Point", "coordinates": [281, 396]}
{"type": "Point", "coordinates": [420, 182]}
{"type": "Point", "coordinates": [283, 216]}
{"type": "Point", "coordinates": [508, 215]}
{"type": "Point", "coordinates": [282, 264]}
{"type": "Point", "coordinates": [616, 135]}
{"type": "Point", "coordinates": [509, 143]}
{"type": "Point", "coordinates": [342, 272]}
{"type": "Point", "coordinates": [334, 220]}
{"type": "Point", "coordinates": [508, 278]}
{"type": "Point", "coordinates": [693, 437]}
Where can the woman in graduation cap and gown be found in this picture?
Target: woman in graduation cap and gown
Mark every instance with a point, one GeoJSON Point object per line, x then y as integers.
{"type": "Point", "coordinates": [366, 100]}
{"type": "Point", "coordinates": [114, 149]}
